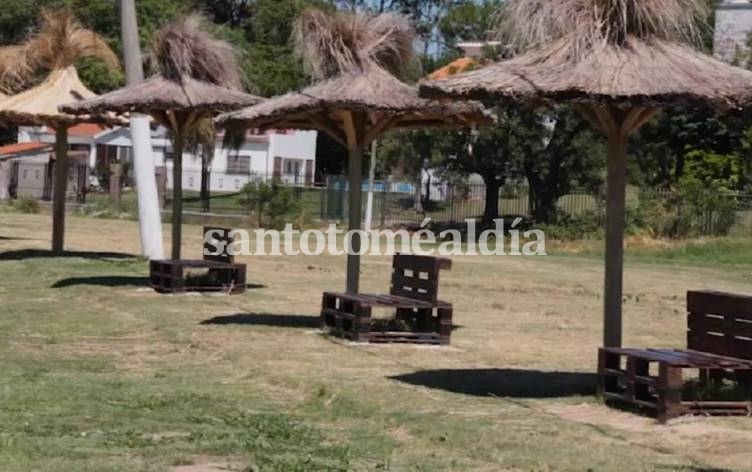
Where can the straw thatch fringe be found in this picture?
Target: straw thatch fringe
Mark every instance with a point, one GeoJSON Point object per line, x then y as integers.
{"type": "Point", "coordinates": [159, 94]}
{"type": "Point", "coordinates": [185, 49]}
{"type": "Point", "coordinates": [14, 68]}
{"type": "Point", "coordinates": [529, 24]}
{"type": "Point", "coordinates": [337, 43]}
{"type": "Point", "coordinates": [60, 41]}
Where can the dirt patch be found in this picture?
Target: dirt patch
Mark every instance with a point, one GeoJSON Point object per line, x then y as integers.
{"type": "Point", "coordinates": [600, 415]}
{"type": "Point", "coordinates": [207, 466]}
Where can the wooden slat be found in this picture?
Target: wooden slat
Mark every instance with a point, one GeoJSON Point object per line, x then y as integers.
{"type": "Point", "coordinates": [728, 325]}
{"type": "Point", "coordinates": [720, 303]}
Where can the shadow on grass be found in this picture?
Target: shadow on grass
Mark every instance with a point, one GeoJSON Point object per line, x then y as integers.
{"type": "Point", "coordinates": [513, 383]}
{"type": "Point", "coordinates": [23, 254]}
{"type": "Point", "coordinates": [11, 238]}
{"type": "Point", "coordinates": [691, 468]}
{"type": "Point", "coordinates": [266, 319]}
{"type": "Point", "coordinates": [104, 281]}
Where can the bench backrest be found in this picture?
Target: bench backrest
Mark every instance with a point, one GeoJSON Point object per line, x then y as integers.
{"type": "Point", "coordinates": [221, 235]}
{"type": "Point", "coordinates": [720, 323]}
{"type": "Point", "coordinates": [417, 277]}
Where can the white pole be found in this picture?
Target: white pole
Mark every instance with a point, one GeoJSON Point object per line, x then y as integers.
{"type": "Point", "coordinates": [149, 221]}
{"type": "Point", "coordinates": [369, 198]}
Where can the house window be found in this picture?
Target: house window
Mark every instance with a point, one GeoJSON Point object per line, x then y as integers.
{"type": "Point", "coordinates": [292, 167]}
{"type": "Point", "coordinates": [36, 174]}
{"type": "Point", "coordinates": [190, 182]}
{"type": "Point", "coordinates": [220, 183]}
{"type": "Point", "coordinates": [237, 184]}
{"type": "Point", "coordinates": [24, 174]}
{"type": "Point", "coordinates": [237, 164]}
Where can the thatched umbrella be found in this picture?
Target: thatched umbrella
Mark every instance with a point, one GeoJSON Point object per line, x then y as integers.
{"type": "Point", "coordinates": [195, 70]}
{"type": "Point", "coordinates": [357, 99]}
{"type": "Point", "coordinates": [618, 62]}
{"type": "Point", "coordinates": [60, 42]}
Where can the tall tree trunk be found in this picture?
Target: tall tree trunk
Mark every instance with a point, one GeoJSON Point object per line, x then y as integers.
{"type": "Point", "coordinates": [491, 210]}
{"type": "Point", "coordinates": [149, 220]}
{"type": "Point", "coordinates": [61, 182]}
{"type": "Point", "coordinates": [545, 205]}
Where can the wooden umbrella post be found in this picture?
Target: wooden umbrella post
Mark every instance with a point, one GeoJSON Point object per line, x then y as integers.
{"type": "Point", "coordinates": [616, 189]}
{"type": "Point", "coordinates": [177, 196]}
{"type": "Point", "coordinates": [61, 182]}
{"type": "Point", "coordinates": [618, 125]}
{"type": "Point", "coordinates": [354, 218]}
{"type": "Point", "coordinates": [353, 126]}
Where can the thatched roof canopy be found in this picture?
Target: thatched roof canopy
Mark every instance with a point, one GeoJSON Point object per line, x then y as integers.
{"type": "Point", "coordinates": [388, 102]}
{"type": "Point", "coordinates": [638, 73]}
{"type": "Point", "coordinates": [39, 105]}
{"type": "Point", "coordinates": [618, 62]}
{"type": "Point", "coordinates": [603, 52]}
{"type": "Point", "coordinates": [159, 94]}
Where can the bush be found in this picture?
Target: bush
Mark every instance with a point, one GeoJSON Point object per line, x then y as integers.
{"type": "Point", "coordinates": [100, 206]}
{"type": "Point", "coordinates": [587, 225]}
{"type": "Point", "coordinates": [25, 205]}
{"type": "Point", "coordinates": [694, 208]}
{"type": "Point", "coordinates": [274, 204]}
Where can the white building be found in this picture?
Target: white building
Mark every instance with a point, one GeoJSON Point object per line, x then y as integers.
{"type": "Point", "coordinates": [289, 155]}
{"type": "Point", "coordinates": [733, 23]}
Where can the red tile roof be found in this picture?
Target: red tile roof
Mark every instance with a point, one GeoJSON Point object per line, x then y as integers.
{"type": "Point", "coordinates": [83, 129]}
{"type": "Point", "coordinates": [22, 147]}
{"type": "Point", "coordinates": [456, 67]}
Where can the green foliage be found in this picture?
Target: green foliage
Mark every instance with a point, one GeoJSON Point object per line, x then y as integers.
{"type": "Point", "coordinates": [274, 204]}
{"type": "Point", "coordinates": [100, 206]}
{"type": "Point", "coordinates": [588, 225]}
{"type": "Point", "coordinates": [694, 208]}
{"type": "Point", "coordinates": [469, 21]}
{"type": "Point", "coordinates": [24, 205]}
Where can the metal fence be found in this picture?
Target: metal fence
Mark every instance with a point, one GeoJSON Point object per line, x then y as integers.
{"type": "Point", "coordinates": [403, 203]}
{"type": "Point", "coordinates": [34, 180]}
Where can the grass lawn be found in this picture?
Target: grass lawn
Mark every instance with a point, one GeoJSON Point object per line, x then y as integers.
{"type": "Point", "coordinates": [99, 373]}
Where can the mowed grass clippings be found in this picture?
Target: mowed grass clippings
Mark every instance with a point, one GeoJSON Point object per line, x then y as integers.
{"type": "Point", "coordinates": [99, 373]}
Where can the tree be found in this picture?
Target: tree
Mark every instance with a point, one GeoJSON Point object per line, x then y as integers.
{"type": "Point", "coordinates": [661, 146]}
{"type": "Point", "coordinates": [468, 21]}
{"type": "Point", "coordinates": [494, 153]}
{"type": "Point", "coordinates": [272, 202]}
{"type": "Point", "coordinates": [570, 155]}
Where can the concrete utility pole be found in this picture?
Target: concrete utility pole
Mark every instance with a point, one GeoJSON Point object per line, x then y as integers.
{"type": "Point", "coordinates": [149, 221]}
{"type": "Point", "coordinates": [369, 198]}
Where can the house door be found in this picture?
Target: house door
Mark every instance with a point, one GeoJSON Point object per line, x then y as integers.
{"type": "Point", "coordinates": [309, 173]}
{"type": "Point", "coordinates": [13, 183]}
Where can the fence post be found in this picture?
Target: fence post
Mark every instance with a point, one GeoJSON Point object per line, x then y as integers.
{"type": "Point", "coordinates": [115, 172]}
{"type": "Point", "coordinates": [384, 202]}
{"type": "Point", "coordinates": [4, 180]}
{"type": "Point", "coordinates": [323, 194]}
{"type": "Point", "coordinates": [160, 174]}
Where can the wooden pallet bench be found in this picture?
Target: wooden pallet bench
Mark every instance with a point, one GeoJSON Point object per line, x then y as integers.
{"type": "Point", "coordinates": [219, 272]}
{"type": "Point", "coordinates": [419, 317]}
{"type": "Point", "coordinates": [719, 347]}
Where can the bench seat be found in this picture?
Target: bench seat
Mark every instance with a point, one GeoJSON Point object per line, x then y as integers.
{"type": "Point", "coordinates": [719, 347]}
{"type": "Point", "coordinates": [419, 316]}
